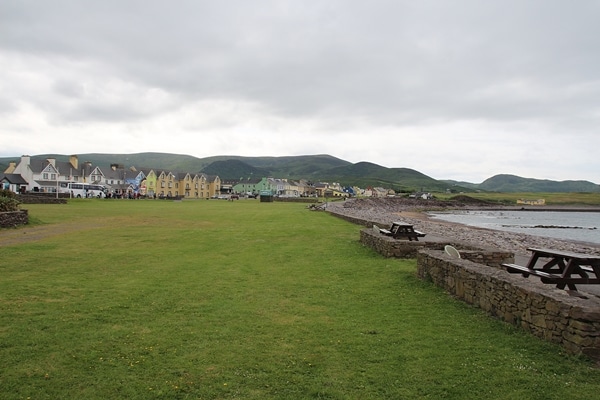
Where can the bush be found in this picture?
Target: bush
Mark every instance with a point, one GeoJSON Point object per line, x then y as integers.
{"type": "Point", "coordinates": [8, 201]}
{"type": "Point", "coordinates": [7, 193]}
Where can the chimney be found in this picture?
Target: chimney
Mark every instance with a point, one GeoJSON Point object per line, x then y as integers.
{"type": "Point", "coordinates": [52, 161]}
{"type": "Point", "coordinates": [74, 161]}
{"type": "Point", "coordinates": [11, 167]}
{"type": "Point", "coordinates": [25, 160]}
{"type": "Point", "coordinates": [88, 167]}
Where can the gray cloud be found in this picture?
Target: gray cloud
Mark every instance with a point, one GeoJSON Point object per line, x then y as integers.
{"type": "Point", "coordinates": [326, 68]}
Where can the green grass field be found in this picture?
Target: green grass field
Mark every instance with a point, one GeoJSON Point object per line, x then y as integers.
{"type": "Point", "coordinates": [217, 300]}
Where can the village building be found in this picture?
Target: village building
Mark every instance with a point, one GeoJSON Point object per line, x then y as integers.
{"type": "Point", "coordinates": [48, 175]}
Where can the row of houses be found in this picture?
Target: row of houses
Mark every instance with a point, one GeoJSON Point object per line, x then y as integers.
{"type": "Point", "coordinates": [303, 188]}
{"type": "Point", "coordinates": [48, 175]}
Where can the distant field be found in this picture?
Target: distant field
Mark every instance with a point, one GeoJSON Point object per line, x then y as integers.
{"type": "Point", "coordinates": [588, 199]}
{"type": "Point", "coordinates": [142, 299]}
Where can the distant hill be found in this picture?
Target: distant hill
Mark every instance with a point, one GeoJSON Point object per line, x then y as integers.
{"type": "Point", "coordinates": [512, 183]}
{"type": "Point", "coordinates": [294, 167]}
{"type": "Point", "coordinates": [320, 167]}
{"type": "Point", "coordinates": [466, 185]}
{"type": "Point", "coordinates": [365, 174]}
{"type": "Point", "coordinates": [234, 169]}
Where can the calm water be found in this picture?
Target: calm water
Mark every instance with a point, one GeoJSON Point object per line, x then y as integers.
{"type": "Point", "coordinates": [580, 226]}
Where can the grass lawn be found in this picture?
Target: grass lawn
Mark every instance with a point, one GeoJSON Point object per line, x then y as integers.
{"type": "Point", "coordinates": [215, 300]}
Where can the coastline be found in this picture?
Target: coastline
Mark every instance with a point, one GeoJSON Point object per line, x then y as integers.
{"type": "Point", "coordinates": [385, 210]}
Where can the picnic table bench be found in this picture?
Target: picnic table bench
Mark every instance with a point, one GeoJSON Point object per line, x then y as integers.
{"type": "Point", "coordinates": [401, 230]}
{"type": "Point", "coordinates": [562, 268]}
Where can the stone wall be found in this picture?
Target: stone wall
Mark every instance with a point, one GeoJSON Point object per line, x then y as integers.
{"type": "Point", "coordinates": [13, 219]}
{"type": "Point", "coordinates": [491, 258]}
{"type": "Point", "coordinates": [547, 312]}
{"type": "Point", "coordinates": [357, 221]}
{"type": "Point", "coordinates": [43, 198]}
{"type": "Point", "coordinates": [390, 247]}
{"type": "Point", "coordinates": [478, 279]}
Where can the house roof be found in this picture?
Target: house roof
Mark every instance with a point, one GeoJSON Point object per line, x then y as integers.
{"type": "Point", "coordinates": [47, 183]}
{"type": "Point", "coordinates": [37, 165]}
{"type": "Point", "coordinates": [15, 179]}
{"type": "Point", "coordinates": [248, 181]}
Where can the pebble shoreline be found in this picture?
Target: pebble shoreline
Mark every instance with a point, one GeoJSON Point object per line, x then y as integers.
{"type": "Point", "coordinates": [384, 211]}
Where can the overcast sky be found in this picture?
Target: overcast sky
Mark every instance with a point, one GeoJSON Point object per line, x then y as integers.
{"type": "Point", "coordinates": [461, 89]}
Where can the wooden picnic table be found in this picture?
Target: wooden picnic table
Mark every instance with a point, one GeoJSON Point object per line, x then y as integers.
{"type": "Point", "coordinates": [562, 268]}
{"type": "Point", "coordinates": [401, 230]}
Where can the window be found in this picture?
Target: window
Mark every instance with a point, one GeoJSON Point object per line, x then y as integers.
{"type": "Point", "coordinates": [45, 175]}
{"type": "Point", "coordinates": [53, 177]}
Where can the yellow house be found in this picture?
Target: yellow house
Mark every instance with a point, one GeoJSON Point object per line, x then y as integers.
{"type": "Point", "coordinates": [193, 186]}
{"type": "Point", "coordinates": [167, 184]}
{"type": "Point", "coordinates": [213, 185]}
{"type": "Point", "coordinates": [202, 187]}
{"type": "Point", "coordinates": [184, 185]}
{"type": "Point", "coordinates": [148, 185]}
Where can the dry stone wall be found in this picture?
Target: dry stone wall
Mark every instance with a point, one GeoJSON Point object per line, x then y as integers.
{"type": "Point", "coordinates": [13, 219]}
{"type": "Point", "coordinates": [478, 278]}
{"type": "Point", "coordinates": [43, 198]}
{"type": "Point", "coordinates": [491, 258]}
{"type": "Point", "coordinates": [390, 247]}
{"type": "Point", "coordinates": [549, 313]}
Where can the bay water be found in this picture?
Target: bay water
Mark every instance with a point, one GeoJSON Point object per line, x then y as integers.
{"type": "Point", "coordinates": [565, 225]}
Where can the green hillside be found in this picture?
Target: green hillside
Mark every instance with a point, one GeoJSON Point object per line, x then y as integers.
{"type": "Point", "coordinates": [461, 184]}
{"type": "Point", "coordinates": [369, 174]}
{"type": "Point", "coordinates": [234, 169]}
{"type": "Point", "coordinates": [320, 167]}
{"type": "Point", "coordinates": [511, 183]}
{"type": "Point", "coordinates": [295, 167]}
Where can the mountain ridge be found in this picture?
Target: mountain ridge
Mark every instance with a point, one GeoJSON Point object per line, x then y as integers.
{"type": "Point", "coordinates": [320, 167]}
